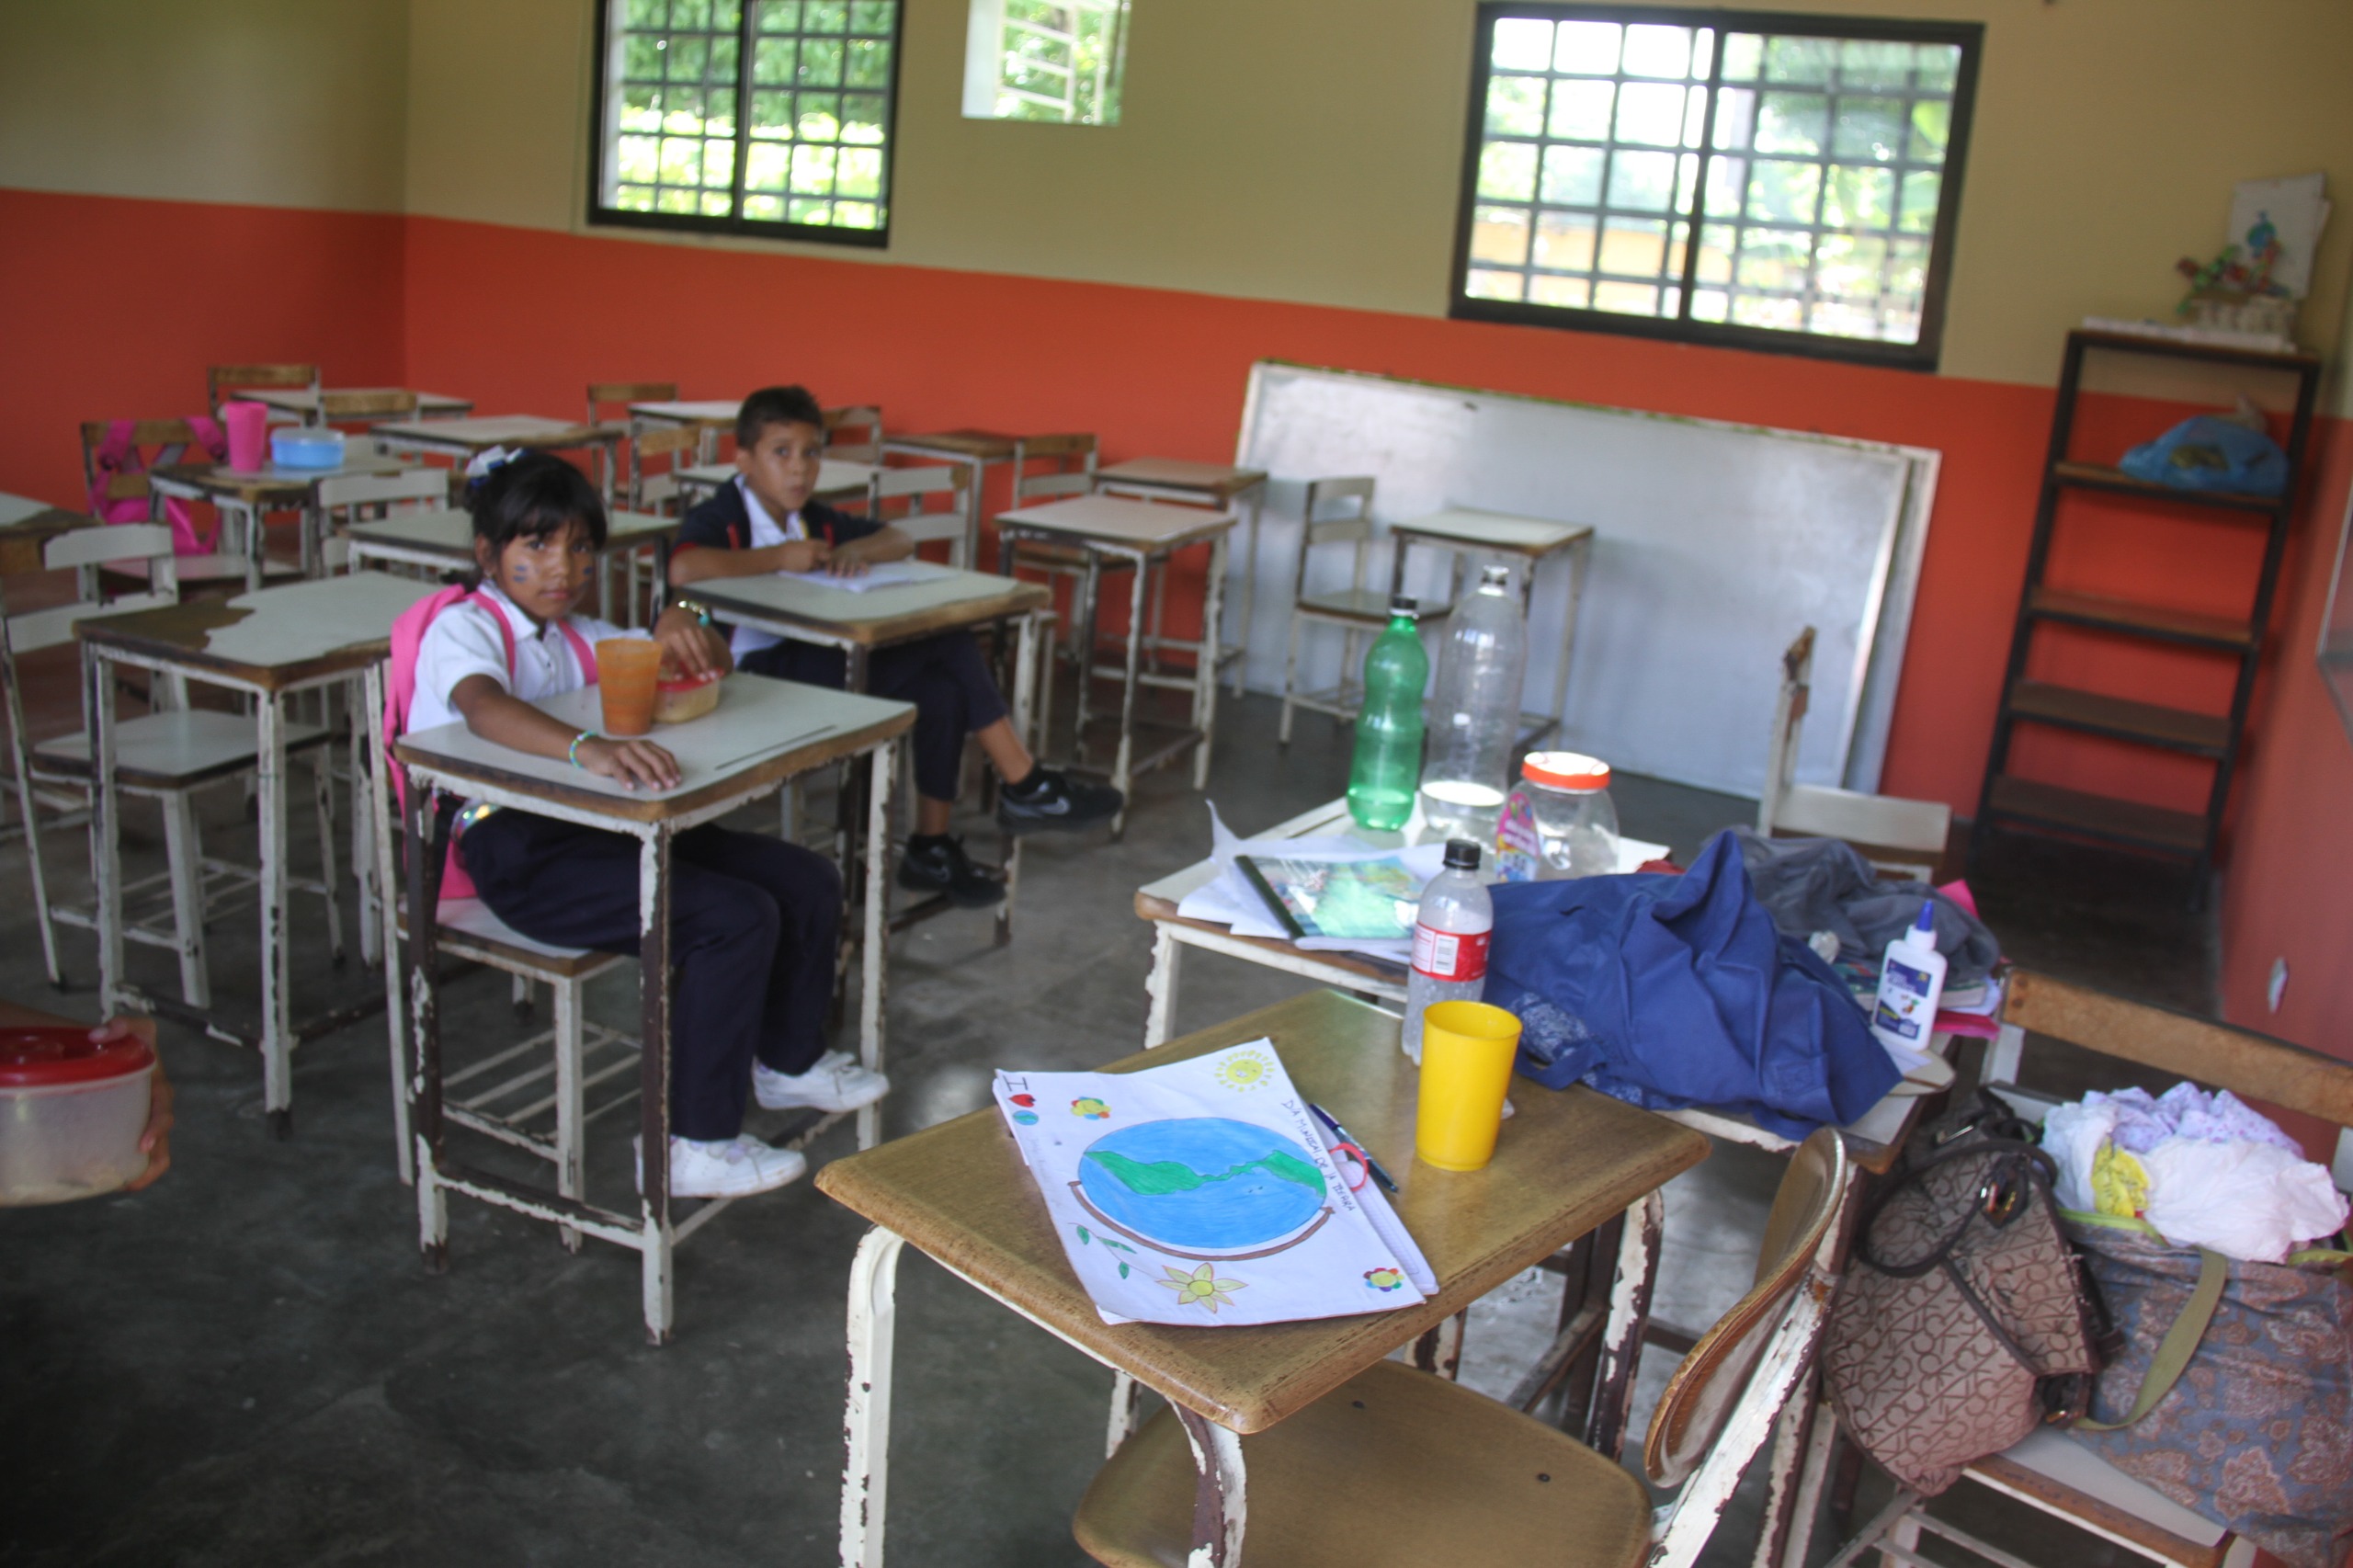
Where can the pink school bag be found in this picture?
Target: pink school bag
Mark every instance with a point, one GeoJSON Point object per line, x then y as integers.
{"type": "Point", "coordinates": [119, 454]}
{"type": "Point", "coordinates": [400, 690]}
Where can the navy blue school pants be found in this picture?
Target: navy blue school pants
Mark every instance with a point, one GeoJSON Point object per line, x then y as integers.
{"type": "Point", "coordinates": [752, 924]}
{"type": "Point", "coordinates": [944, 676]}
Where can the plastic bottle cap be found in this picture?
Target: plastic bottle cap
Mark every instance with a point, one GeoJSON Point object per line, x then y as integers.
{"type": "Point", "coordinates": [42, 1056]}
{"type": "Point", "coordinates": [1403, 604]}
{"type": "Point", "coordinates": [1927, 924]}
{"type": "Point", "coordinates": [1462, 855]}
{"type": "Point", "coordinates": [1495, 573]}
{"type": "Point", "coordinates": [1565, 770]}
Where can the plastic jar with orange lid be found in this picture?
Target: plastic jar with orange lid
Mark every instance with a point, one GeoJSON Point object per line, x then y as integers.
{"type": "Point", "coordinates": [1559, 821]}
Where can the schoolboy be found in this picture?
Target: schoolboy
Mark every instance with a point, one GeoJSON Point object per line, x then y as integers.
{"type": "Point", "coordinates": [766, 521]}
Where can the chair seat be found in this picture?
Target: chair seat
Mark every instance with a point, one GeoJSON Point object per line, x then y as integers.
{"type": "Point", "coordinates": [467, 929]}
{"type": "Point", "coordinates": [1369, 606]}
{"type": "Point", "coordinates": [173, 750]}
{"type": "Point", "coordinates": [192, 570]}
{"type": "Point", "coordinates": [1347, 1483]}
{"type": "Point", "coordinates": [2069, 1478]}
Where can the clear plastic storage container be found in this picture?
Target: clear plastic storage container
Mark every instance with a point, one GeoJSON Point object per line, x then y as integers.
{"type": "Point", "coordinates": [72, 1111]}
{"type": "Point", "coordinates": [306, 445]}
{"type": "Point", "coordinates": [1559, 821]}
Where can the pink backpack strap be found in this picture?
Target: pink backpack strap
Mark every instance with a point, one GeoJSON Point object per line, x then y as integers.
{"type": "Point", "coordinates": [582, 649]}
{"type": "Point", "coordinates": [400, 691]}
{"type": "Point", "coordinates": [209, 435]}
{"type": "Point", "coordinates": [115, 454]}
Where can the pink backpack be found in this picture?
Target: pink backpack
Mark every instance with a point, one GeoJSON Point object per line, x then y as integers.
{"type": "Point", "coordinates": [118, 454]}
{"type": "Point", "coordinates": [400, 691]}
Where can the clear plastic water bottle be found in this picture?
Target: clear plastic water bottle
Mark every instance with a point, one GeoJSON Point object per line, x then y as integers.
{"type": "Point", "coordinates": [1474, 712]}
{"type": "Point", "coordinates": [1451, 934]}
{"type": "Point", "coordinates": [1559, 821]}
{"type": "Point", "coordinates": [1389, 726]}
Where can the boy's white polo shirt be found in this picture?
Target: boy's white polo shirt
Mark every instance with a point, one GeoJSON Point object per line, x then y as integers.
{"type": "Point", "coordinates": [463, 640]}
{"type": "Point", "coordinates": [766, 531]}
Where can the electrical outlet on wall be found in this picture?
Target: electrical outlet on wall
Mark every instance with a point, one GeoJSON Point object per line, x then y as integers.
{"type": "Point", "coordinates": [2277, 985]}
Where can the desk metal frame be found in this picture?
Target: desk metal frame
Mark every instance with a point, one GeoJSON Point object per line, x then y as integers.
{"type": "Point", "coordinates": [559, 436]}
{"type": "Point", "coordinates": [1216, 498]}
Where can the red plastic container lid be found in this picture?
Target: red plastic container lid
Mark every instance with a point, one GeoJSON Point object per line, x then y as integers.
{"type": "Point", "coordinates": [1565, 770]}
{"type": "Point", "coordinates": [688, 682]}
{"type": "Point", "coordinates": [42, 1058]}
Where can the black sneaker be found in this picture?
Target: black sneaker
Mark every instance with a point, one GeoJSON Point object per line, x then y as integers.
{"type": "Point", "coordinates": [1050, 802]}
{"type": "Point", "coordinates": [940, 866]}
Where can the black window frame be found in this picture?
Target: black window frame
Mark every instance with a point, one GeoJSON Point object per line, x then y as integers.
{"type": "Point", "coordinates": [601, 215]}
{"type": "Point", "coordinates": [1923, 355]}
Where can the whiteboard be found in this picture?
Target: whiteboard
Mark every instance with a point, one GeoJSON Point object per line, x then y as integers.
{"type": "Point", "coordinates": [1714, 544]}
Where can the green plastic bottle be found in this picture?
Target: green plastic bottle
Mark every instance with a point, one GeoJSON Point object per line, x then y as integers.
{"type": "Point", "coordinates": [1388, 764]}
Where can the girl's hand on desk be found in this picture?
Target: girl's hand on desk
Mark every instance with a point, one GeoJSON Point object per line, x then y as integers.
{"type": "Point", "coordinates": [804, 555]}
{"type": "Point", "coordinates": [689, 644]}
{"type": "Point", "coordinates": [630, 763]}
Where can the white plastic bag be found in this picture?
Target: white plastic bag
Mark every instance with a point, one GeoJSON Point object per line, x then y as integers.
{"type": "Point", "coordinates": [2251, 1201]}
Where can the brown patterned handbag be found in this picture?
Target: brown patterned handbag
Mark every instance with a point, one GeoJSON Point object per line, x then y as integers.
{"type": "Point", "coordinates": [1962, 1322]}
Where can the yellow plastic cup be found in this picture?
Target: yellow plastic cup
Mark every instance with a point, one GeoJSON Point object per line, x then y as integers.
{"type": "Point", "coordinates": [1467, 1050]}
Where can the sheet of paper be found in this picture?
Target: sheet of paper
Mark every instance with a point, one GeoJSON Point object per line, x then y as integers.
{"type": "Point", "coordinates": [1202, 1194]}
{"type": "Point", "coordinates": [2297, 211]}
{"type": "Point", "coordinates": [882, 574]}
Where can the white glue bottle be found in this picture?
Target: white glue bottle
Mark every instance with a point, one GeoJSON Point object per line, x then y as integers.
{"type": "Point", "coordinates": [1911, 983]}
{"type": "Point", "coordinates": [1451, 934]}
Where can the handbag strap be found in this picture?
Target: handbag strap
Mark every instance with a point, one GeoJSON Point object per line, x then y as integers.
{"type": "Point", "coordinates": [2179, 1344]}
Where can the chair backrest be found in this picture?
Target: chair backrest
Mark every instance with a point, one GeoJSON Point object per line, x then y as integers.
{"type": "Point", "coordinates": [1722, 1402]}
{"type": "Point", "coordinates": [603, 394]}
{"type": "Point", "coordinates": [82, 551]}
{"type": "Point", "coordinates": [917, 487]}
{"type": "Point", "coordinates": [366, 407]}
{"type": "Point", "coordinates": [2252, 1066]}
{"type": "Point", "coordinates": [162, 434]}
{"type": "Point", "coordinates": [349, 498]}
{"type": "Point", "coordinates": [223, 379]}
{"type": "Point", "coordinates": [1898, 836]}
{"type": "Point", "coordinates": [656, 453]}
{"type": "Point", "coordinates": [1072, 473]}
{"type": "Point", "coordinates": [1336, 511]}
{"type": "Point", "coordinates": [854, 435]}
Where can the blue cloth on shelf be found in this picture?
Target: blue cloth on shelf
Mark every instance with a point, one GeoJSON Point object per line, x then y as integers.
{"type": "Point", "coordinates": [1668, 991]}
{"type": "Point", "coordinates": [2210, 454]}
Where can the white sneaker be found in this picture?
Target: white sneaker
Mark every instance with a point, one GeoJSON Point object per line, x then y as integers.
{"type": "Point", "coordinates": [833, 1083]}
{"type": "Point", "coordinates": [731, 1167]}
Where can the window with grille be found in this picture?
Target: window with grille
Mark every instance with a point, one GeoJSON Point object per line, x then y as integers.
{"type": "Point", "coordinates": [1769, 181]}
{"type": "Point", "coordinates": [767, 117]}
{"type": "Point", "coordinates": [1059, 61]}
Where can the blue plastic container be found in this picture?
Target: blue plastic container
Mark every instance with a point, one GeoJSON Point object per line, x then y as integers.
{"type": "Point", "coordinates": [306, 447]}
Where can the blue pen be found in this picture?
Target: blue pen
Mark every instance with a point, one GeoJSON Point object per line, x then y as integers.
{"type": "Point", "coordinates": [1342, 1133]}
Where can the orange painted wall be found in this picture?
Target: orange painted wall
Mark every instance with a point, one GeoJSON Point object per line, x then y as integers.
{"type": "Point", "coordinates": [112, 307]}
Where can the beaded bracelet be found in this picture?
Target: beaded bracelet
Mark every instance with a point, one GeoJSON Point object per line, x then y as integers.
{"type": "Point", "coordinates": [575, 752]}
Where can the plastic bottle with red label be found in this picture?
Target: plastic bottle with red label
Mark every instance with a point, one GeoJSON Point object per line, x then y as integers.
{"type": "Point", "coordinates": [1451, 934]}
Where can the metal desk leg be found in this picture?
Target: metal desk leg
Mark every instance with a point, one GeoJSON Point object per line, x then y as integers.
{"type": "Point", "coordinates": [1205, 667]}
{"type": "Point", "coordinates": [1160, 986]}
{"type": "Point", "coordinates": [1124, 756]}
{"type": "Point", "coordinates": [873, 1323]}
{"type": "Point", "coordinates": [653, 1091]}
{"type": "Point", "coordinates": [106, 826]}
{"type": "Point", "coordinates": [1218, 1503]}
{"type": "Point", "coordinates": [1249, 588]}
{"type": "Point", "coordinates": [1090, 586]}
{"type": "Point", "coordinates": [372, 795]}
{"type": "Point", "coordinates": [1025, 675]}
{"type": "Point", "coordinates": [870, 944]}
{"type": "Point", "coordinates": [276, 971]}
{"type": "Point", "coordinates": [1630, 1312]}
{"type": "Point", "coordinates": [428, 842]}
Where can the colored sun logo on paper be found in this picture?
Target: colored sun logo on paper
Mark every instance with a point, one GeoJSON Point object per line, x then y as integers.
{"type": "Point", "coordinates": [1384, 1279]}
{"type": "Point", "coordinates": [1088, 1109]}
{"type": "Point", "coordinates": [1245, 1070]}
{"type": "Point", "coordinates": [1201, 1287]}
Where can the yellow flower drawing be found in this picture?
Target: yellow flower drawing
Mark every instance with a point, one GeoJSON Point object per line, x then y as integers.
{"type": "Point", "coordinates": [1244, 1069]}
{"type": "Point", "coordinates": [1202, 1286]}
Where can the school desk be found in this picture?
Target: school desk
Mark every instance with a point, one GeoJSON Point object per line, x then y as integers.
{"type": "Point", "coordinates": [1218, 485]}
{"type": "Point", "coordinates": [269, 644]}
{"type": "Point", "coordinates": [441, 539]}
{"type": "Point", "coordinates": [26, 527]}
{"type": "Point", "coordinates": [859, 623]}
{"type": "Point", "coordinates": [762, 734]}
{"type": "Point", "coordinates": [305, 403]}
{"type": "Point", "coordinates": [1143, 535]}
{"type": "Point", "coordinates": [246, 496]}
{"type": "Point", "coordinates": [973, 451]}
{"type": "Point", "coordinates": [1463, 531]}
{"type": "Point", "coordinates": [839, 484]}
{"type": "Point", "coordinates": [709, 418]}
{"type": "Point", "coordinates": [1566, 1164]}
{"type": "Point", "coordinates": [460, 439]}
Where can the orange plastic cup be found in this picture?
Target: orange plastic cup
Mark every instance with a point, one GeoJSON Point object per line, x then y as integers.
{"type": "Point", "coordinates": [1467, 1050]}
{"type": "Point", "coordinates": [628, 674]}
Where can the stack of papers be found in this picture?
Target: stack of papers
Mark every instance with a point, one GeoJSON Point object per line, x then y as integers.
{"type": "Point", "coordinates": [1203, 1194]}
{"type": "Point", "coordinates": [882, 574]}
{"type": "Point", "coordinates": [1230, 898]}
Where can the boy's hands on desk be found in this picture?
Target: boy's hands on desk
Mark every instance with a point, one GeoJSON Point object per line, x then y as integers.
{"type": "Point", "coordinates": [804, 555]}
{"type": "Point", "coordinates": [630, 763]}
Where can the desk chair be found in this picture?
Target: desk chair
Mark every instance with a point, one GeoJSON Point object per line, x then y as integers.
{"type": "Point", "coordinates": [914, 490]}
{"type": "Point", "coordinates": [164, 755]}
{"type": "Point", "coordinates": [865, 446]}
{"type": "Point", "coordinates": [1337, 511]}
{"type": "Point", "coordinates": [655, 456]}
{"type": "Point", "coordinates": [2048, 1471]}
{"type": "Point", "coordinates": [1900, 838]}
{"type": "Point", "coordinates": [617, 396]}
{"type": "Point", "coordinates": [153, 443]}
{"type": "Point", "coordinates": [354, 498]}
{"type": "Point", "coordinates": [223, 382]}
{"type": "Point", "coordinates": [1397, 1466]}
{"type": "Point", "coordinates": [364, 408]}
{"type": "Point", "coordinates": [1070, 462]}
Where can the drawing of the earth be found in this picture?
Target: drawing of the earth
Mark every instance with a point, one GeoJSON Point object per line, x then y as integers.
{"type": "Point", "coordinates": [1203, 1183]}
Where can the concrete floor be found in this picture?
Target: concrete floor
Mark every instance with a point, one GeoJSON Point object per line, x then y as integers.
{"type": "Point", "coordinates": [248, 1364]}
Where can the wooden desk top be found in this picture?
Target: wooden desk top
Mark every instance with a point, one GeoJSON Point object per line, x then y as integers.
{"type": "Point", "coordinates": [271, 638]}
{"type": "Point", "coordinates": [986, 446]}
{"type": "Point", "coordinates": [1565, 1162]}
{"type": "Point", "coordinates": [302, 400]}
{"type": "Point", "coordinates": [880, 616]}
{"type": "Point", "coordinates": [1110, 520]}
{"type": "Point", "coordinates": [762, 731]}
{"type": "Point", "coordinates": [275, 482]}
{"type": "Point", "coordinates": [445, 531]}
{"type": "Point", "coordinates": [529, 430]}
{"type": "Point", "coordinates": [710, 411]}
{"type": "Point", "coordinates": [1495, 531]}
{"type": "Point", "coordinates": [26, 527]}
{"type": "Point", "coordinates": [1215, 482]}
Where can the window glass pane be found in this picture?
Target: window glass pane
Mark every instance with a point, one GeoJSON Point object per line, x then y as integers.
{"type": "Point", "coordinates": [1793, 122]}
{"type": "Point", "coordinates": [1657, 52]}
{"type": "Point", "coordinates": [1564, 242]}
{"type": "Point", "coordinates": [1057, 60]}
{"type": "Point", "coordinates": [1920, 193]}
{"type": "Point", "coordinates": [1588, 49]}
{"type": "Point", "coordinates": [1744, 56]}
{"type": "Point", "coordinates": [1643, 181]}
{"type": "Point", "coordinates": [1499, 234]}
{"type": "Point", "coordinates": [1496, 284]}
{"type": "Point", "coordinates": [1581, 110]}
{"type": "Point", "coordinates": [1650, 115]}
{"type": "Point", "coordinates": [1858, 197]}
{"type": "Point", "coordinates": [1516, 106]}
{"type": "Point", "coordinates": [1573, 176]}
{"type": "Point", "coordinates": [1507, 169]}
{"type": "Point", "coordinates": [1869, 128]}
{"type": "Point", "coordinates": [1573, 293]}
{"type": "Point", "coordinates": [1522, 44]}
